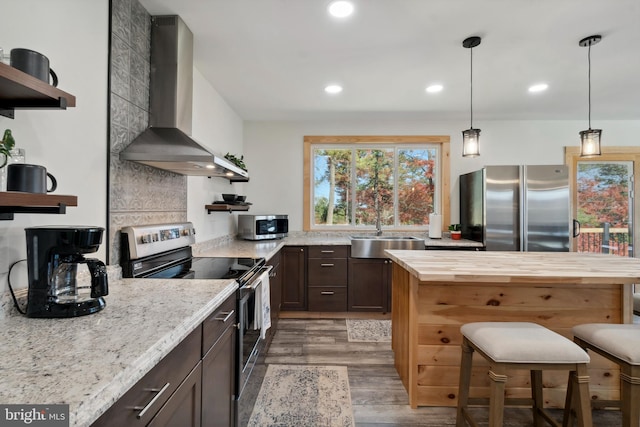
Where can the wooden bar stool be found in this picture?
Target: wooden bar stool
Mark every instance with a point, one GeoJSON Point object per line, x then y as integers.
{"type": "Point", "coordinates": [621, 345]}
{"type": "Point", "coordinates": [521, 345]}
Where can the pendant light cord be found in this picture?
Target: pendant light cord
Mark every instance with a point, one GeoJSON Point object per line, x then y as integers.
{"type": "Point", "coordinates": [589, 76]}
{"type": "Point", "coordinates": [471, 87]}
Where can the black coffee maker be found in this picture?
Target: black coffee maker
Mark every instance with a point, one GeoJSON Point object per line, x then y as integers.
{"type": "Point", "coordinates": [62, 282]}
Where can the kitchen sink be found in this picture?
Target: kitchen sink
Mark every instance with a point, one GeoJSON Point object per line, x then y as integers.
{"type": "Point", "coordinates": [374, 246]}
{"type": "Point", "coordinates": [383, 238]}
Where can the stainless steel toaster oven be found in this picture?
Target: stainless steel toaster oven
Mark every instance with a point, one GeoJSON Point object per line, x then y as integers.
{"type": "Point", "coordinates": [263, 227]}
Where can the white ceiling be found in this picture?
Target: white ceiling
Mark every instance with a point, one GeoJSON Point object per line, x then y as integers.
{"type": "Point", "coordinates": [271, 59]}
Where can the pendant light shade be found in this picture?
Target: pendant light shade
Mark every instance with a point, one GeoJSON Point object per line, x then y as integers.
{"type": "Point", "coordinates": [590, 138]}
{"type": "Point", "coordinates": [590, 142]}
{"type": "Point", "coordinates": [470, 146]}
{"type": "Point", "coordinates": [471, 136]}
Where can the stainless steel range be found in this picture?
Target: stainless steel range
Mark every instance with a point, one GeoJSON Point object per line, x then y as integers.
{"type": "Point", "coordinates": [164, 251]}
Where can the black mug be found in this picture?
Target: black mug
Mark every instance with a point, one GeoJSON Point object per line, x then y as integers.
{"type": "Point", "coordinates": [33, 63]}
{"type": "Point", "coordinates": [29, 178]}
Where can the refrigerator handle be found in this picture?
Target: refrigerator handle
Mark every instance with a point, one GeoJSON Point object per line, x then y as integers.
{"type": "Point", "coordinates": [576, 228]}
{"type": "Point", "coordinates": [524, 211]}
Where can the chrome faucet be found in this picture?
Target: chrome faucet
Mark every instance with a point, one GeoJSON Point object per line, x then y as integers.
{"type": "Point", "coordinates": [378, 226]}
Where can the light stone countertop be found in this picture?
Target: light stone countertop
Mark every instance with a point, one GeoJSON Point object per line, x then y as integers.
{"type": "Point", "coordinates": [90, 361]}
{"type": "Point", "coordinates": [268, 248]}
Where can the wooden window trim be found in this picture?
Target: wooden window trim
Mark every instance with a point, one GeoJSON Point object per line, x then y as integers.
{"type": "Point", "coordinates": [445, 169]}
{"type": "Point", "coordinates": [609, 154]}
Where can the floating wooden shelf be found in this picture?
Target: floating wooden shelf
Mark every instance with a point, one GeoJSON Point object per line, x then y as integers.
{"type": "Point", "coordinates": [229, 208]}
{"type": "Point", "coordinates": [16, 202]}
{"type": "Point", "coordinates": [20, 90]}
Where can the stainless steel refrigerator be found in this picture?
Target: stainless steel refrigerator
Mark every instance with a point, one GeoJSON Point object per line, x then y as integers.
{"type": "Point", "coordinates": [517, 208]}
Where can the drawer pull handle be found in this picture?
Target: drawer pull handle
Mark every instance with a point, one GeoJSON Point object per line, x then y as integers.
{"type": "Point", "coordinates": [327, 252]}
{"type": "Point", "coordinates": [226, 317]}
{"type": "Point", "coordinates": [327, 265]}
{"type": "Point", "coordinates": [144, 409]}
{"type": "Point", "coordinates": [327, 293]}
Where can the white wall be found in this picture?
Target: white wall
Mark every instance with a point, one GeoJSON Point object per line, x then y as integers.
{"type": "Point", "coordinates": [219, 128]}
{"type": "Point", "coordinates": [71, 144]}
{"type": "Point", "coordinates": [274, 150]}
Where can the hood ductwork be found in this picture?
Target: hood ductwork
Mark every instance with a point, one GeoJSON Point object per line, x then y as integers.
{"type": "Point", "coordinates": [167, 143]}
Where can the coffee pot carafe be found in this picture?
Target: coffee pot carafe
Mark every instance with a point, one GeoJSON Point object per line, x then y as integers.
{"type": "Point", "coordinates": [62, 282]}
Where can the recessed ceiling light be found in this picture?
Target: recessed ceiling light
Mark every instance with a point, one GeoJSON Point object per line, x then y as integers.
{"type": "Point", "coordinates": [434, 88]}
{"type": "Point", "coordinates": [540, 87]}
{"type": "Point", "coordinates": [333, 89]}
{"type": "Point", "coordinates": [341, 8]}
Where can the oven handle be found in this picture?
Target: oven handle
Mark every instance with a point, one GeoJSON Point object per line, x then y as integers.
{"type": "Point", "coordinates": [253, 285]}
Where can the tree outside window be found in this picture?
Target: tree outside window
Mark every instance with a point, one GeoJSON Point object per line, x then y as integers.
{"type": "Point", "coordinates": [388, 186]}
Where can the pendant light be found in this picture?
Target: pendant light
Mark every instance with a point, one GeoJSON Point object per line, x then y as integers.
{"type": "Point", "coordinates": [471, 136]}
{"type": "Point", "coordinates": [590, 138]}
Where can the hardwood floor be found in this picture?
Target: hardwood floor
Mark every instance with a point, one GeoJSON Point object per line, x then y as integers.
{"type": "Point", "coordinates": [377, 394]}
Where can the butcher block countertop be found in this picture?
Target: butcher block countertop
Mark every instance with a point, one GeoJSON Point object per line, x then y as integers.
{"type": "Point", "coordinates": [505, 267]}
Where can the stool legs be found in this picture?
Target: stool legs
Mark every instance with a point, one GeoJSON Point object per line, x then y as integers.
{"type": "Point", "coordinates": [578, 398]}
{"type": "Point", "coordinates": [536, 394]}
{"type": "Point", "coordinates": [465, 382]}
{"type": "Point", "coordinates": [568, 418]}
{"type": "Point", "coordinates": [583, 404]}
{"type": "Point", "coordinates": [630, 395]}
{"type": "Point", "coordinates": [496, 399]}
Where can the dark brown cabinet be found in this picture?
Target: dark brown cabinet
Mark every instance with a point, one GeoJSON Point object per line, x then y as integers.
{"type": "Point", "coordinates": [294, 274]}
{"type": "Point", "coordinates": [327, 278]}
{"type": "Point", "coordinates": [369, 284]}
{"type": "Point", "coordinates": [218, 366]}
{"type": "Point", "coordinates": [193, 386]}
{"type": "Point", "coordinates": [183, 409]}
{"type": "Point", "coordinates": [150, 397]}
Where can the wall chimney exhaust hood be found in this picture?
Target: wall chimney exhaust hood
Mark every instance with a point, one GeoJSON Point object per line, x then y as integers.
{"type": "Point", "coordinates": [167, 143]}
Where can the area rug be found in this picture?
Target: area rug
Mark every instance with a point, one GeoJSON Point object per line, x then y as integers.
{"type": "Point", "coordinates": [368, 330]}
{"type": "Point", "coordinates": [303, 395]}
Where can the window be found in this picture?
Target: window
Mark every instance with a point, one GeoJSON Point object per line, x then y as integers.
{"type": "Point", "coordinates": [603, 201]}
{"type": "Point", "coordinates": [371, 182]}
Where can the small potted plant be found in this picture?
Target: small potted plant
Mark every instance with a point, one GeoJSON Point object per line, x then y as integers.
{"type": "Point", "coordinates": [455, 230]}
{"type": "Point", "coordinates": [6, 145]}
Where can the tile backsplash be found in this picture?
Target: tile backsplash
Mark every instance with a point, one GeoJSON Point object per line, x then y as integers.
{"type": "Point", "coordinates": [138, 194]}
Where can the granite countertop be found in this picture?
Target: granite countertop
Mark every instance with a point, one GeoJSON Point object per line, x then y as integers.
{"type": "Point", "coordinates": [515, 267]}
{"type": "Point", "coordinates": [89, 362]}
{"type": "Point", "coordinates": [268, 248]}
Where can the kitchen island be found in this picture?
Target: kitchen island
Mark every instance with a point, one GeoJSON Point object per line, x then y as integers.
{"type": "Point", "coordinates": [435, 292]}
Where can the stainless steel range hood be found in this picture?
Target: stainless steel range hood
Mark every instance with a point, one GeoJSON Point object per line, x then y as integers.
{"type": "Point", "coordinates": [167, 143]}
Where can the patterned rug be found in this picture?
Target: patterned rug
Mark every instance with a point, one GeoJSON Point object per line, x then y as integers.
{"type": "Point", "coordinates": [295, 395]}
{"type": "Point", "coordinates": [368, 330]}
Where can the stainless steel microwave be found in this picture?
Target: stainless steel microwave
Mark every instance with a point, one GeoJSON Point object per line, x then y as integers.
{"type": "Point", "coordinates": [263, 227]}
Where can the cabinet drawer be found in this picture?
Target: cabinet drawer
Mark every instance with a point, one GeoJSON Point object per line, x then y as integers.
{"type": "Point", "coordinates": [327, 299]}
{"type": "Point", "coordinates": [327, 271]}
{"type": "Point", "coordinates": [328, 251]}
{"type": "Point", "coordinates": [214, 326]}
{"type": "Point", "coordinates": [149, 394]}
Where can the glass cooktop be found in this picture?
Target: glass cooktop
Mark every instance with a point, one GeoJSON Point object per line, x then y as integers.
{"type": "Point", "coordinates": [222, 268]}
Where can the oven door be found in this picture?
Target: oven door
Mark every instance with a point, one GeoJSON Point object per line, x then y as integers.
{"type": "Point", "coordinates": [249, 341]}
{"type": "Point", "coordinates": [250, 371]}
